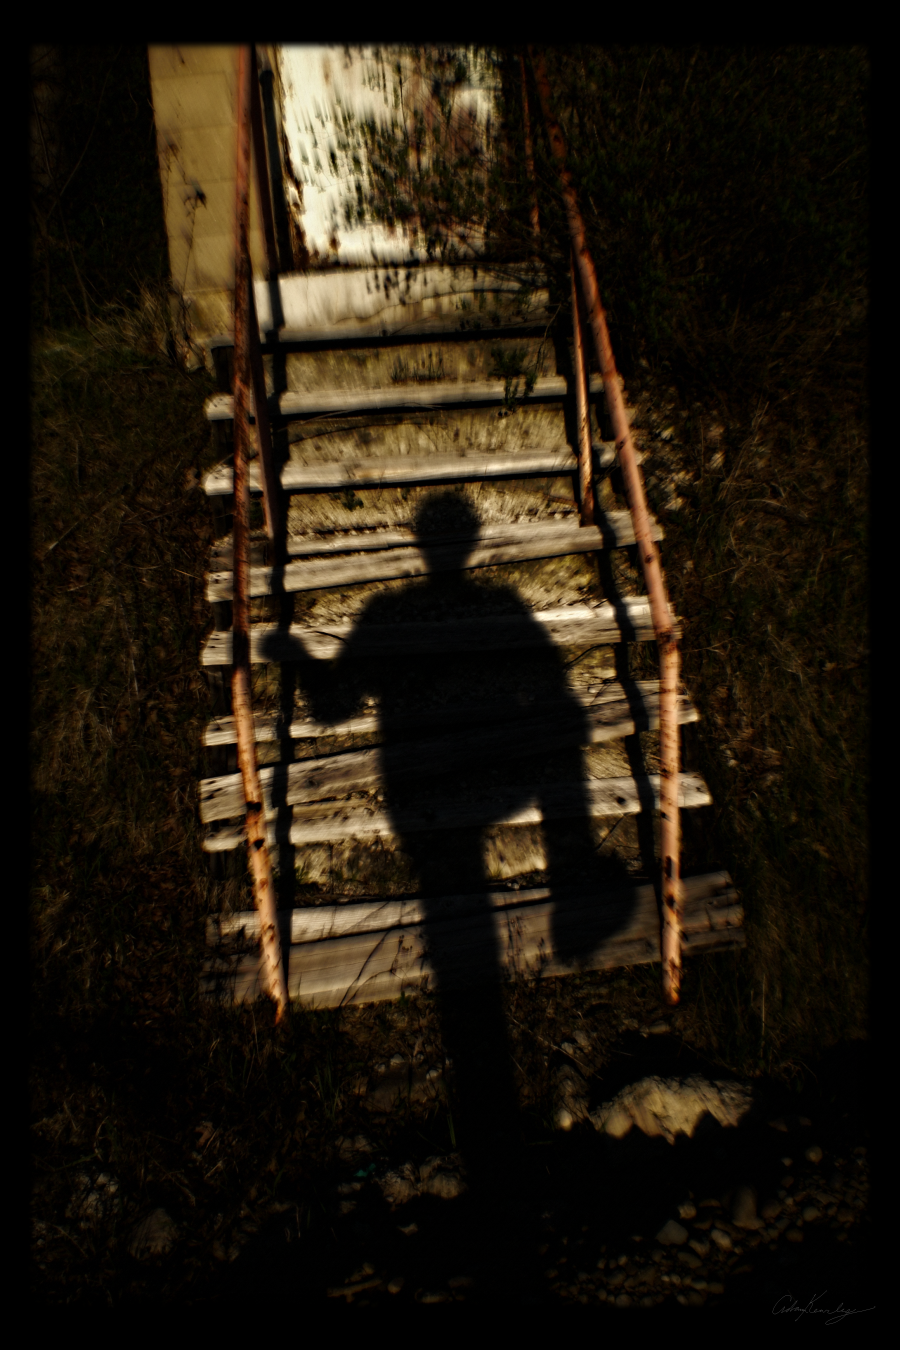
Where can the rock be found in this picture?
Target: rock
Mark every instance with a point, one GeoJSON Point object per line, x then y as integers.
{"type": "Point", "coordinates": [409, 1229]}
{"type": "Point", "coordinates": [351, 1148]}
{"type": "Point", "coordinates": [445, 1185]}
{"type": "Point", "coordinates": [153, 1235]}
{"type": "Point", "coordinates": [700, 1246]}
{"type": "Point", "coordinates": [813, 1154]}
{"type": "Point", "coordinates": [393, 1085]}
{"type": "Point", "coordinates": [616, 1278]}
{"type": "Point", "coordinates": [687, 1210]}
{"type": "Point", "coordinates": [623, 1300]}
{"type": "Point", "coordinates": [786, 1124]}
{"type": "Point", "coordinates": [672, 1234]}
{"type": "Point", "coordinates": [400, 1186]}
{"type": "Point", "coordinates": [671, 1106]}
{"type": "Point", "coordinates": [571, 1093]}
{"type": "Point", "coordinates": [811, 1213]}
{"type": "Point", "coordinates": [845, 1215]}
{"type": "Point", "coordinates": [396, 1284]}
{"type": "Point", "coordinates": [743, 1208]}
{"type": "Point", "coordinates": [432, 1296]}
{"type": "Point", "coordinates": [461, 1282]}
{"type": "Point", "coordinates": [613, 1120]}
{"type": "Point", "coordinates": [689, 1259]}
{"type": "Point", "coordinates": [770, 1210]}
{"type": "Point", "coordinates": [721, 1239]}
{"type": "Point", "coordinates": [794, 1235]}
{"type": "Point", "coordinates": [442, 1177]}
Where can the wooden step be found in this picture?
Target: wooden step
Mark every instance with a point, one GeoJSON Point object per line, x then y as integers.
{"type": "Point", "coordinates": [399, 471]}
{"type": "Point", "coordinates": [537, 731]}
{"type": "Point", "coordinates": [609, 702]}
{"type": "Point", "coordinates": [373, 540]}
{"type": "Point", "coordinates": [568, 626]}
{"type": "Point", "coordinates": [456, 326]}
{"type": "Point", "coordinates": [376, 301]}
{"type": "Point", "coordinates": [324, 822]}
{"type": "Point", "coordinates": [431, 395]}
{"type": "Point", "coordinates": [321, 923]}
{"type": "Point", "coordinates": [522, 934]}
{"type": "Point", "coordinates": [614, 530]}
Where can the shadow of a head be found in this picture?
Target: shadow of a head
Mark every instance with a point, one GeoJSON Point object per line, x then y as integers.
{"type": "Point", "coordinates": [446, 521]}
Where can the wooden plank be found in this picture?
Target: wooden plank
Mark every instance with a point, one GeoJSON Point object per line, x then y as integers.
{"type": "Point", "coordinates": [328, 822]}
{"type": "Point", "coordinates": [407, 471]}
{"type": "Point", "coordinates": [371, 541]}
{"type": "Point", "coordinates": [614, 530]}
{"type": "Point", "coordinates": [371, 966]}
{"type": "Point", "coordinates": [440, 326]}
{"type": "Point", "coordinates": [321, 922]}
{"type": "Point", "coordinates": [220, 730]}
{"type": "Point", "coordinates": [567, 626]}
{"type": "Point", "coordinates": [380, 297]}
{"type": "Point", "coordinates": [537, 731]}
{"type": "Point", "coordinates": [432, 395]}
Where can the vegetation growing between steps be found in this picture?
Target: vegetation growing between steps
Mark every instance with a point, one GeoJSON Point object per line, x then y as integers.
{"type": "Point", "coordinates": [753, 411]}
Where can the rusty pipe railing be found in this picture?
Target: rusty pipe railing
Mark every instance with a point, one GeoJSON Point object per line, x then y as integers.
{"type": "Point", "coordinates": [582, 410]}
{"type": "Point", "coordinates": [245, 330]}
{"type": "Point", "coordinates": [663, 622]}
{"type": "Point", "coordinates": [582, 406]}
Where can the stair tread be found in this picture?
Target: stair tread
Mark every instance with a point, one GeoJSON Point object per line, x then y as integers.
{"type": "Point", "coordinates": [432, 395]}
{"type": "Point", "coordinates": [411, 470]}
{"type": "Point", "coordinates": [537, 730]}
{"type": "Point", "coordinates": [593, 701]}
{"type": "Point", "coordinates": [706, 899]}
{"type": "Point", "coordinates": [597, 798]}
{"type": "Point", "coordinates": [630, 620]}
{"type": "Point", "coordinates": [528, 543]}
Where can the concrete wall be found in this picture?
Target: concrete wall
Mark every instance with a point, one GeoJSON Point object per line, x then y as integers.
{"type": "Point", "coordinates": [195, 100]}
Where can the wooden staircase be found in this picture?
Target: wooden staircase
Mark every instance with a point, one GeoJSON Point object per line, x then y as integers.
{"type": "Point", "coordinates": [440, 653]}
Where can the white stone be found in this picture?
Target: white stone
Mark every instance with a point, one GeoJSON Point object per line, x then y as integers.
{"type": "Point", "coordinates": [153, 1236]}
{"type": "Point", "coordinates": [671, 1106]}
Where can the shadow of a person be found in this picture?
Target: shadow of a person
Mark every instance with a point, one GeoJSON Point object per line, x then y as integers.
{"type": "Point", "coordinates": [496, 780]}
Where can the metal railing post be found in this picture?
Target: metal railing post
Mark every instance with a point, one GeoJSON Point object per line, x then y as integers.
{"type": "Point", "coordinates": [260, 862]}
{"type": "Point", "coordinates": [663, 623]}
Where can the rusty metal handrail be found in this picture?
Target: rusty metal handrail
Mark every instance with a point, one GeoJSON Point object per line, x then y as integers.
{"type": "Point", "coordinates": [246, 331]}
{"type": "Point", "coordinates": [582, 407]}
{"type": "Point", "coordinates": [663, 622]}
